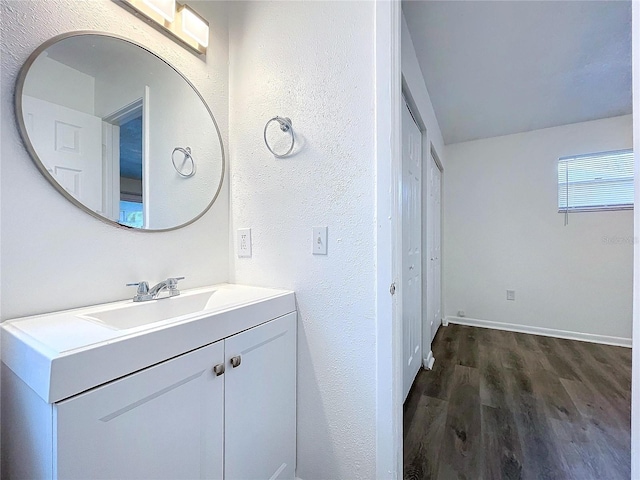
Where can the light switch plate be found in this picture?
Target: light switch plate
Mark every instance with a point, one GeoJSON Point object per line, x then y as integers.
{"type": "Point", "coordinates": [511, 294]}
{"type": "Point", "coordinates": [244, 242]}
{"type": "Point", "coordinates": [319, 240]}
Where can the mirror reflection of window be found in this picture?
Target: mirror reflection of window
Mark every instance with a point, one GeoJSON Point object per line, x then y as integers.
{"type": "Point", "coordinates": [131, 206]}
{"type": "Point", "coordinates": [130, 214]}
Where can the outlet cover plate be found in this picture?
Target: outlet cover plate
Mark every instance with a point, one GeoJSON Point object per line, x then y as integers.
{"type": "Point", "coordinates": [244, 242]}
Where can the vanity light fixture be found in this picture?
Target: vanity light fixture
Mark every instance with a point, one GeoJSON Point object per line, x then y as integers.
{"type": "Point", "coordinates": [188, 27]}
{"type": "Point", "coordinates": [165, 8]}
{"type": "Point", "coordinates": [194, 25]}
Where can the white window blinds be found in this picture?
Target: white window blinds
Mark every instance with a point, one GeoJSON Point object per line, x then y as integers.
{"type": "Point", "coordinates": [600, 181]}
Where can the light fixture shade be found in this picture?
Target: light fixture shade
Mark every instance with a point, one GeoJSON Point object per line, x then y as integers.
{"type": "Point", "coordinates": [195, 26]}
{"type": "Point", "coordinates": [164, 8]}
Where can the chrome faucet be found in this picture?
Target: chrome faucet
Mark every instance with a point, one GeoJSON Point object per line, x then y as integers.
{"type": "Point", "coordinates": [170, 285]}
{"type": "Point", "coordinates": [145, 293]}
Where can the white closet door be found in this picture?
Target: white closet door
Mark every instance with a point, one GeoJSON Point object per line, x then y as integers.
{"type": "Point", "coordinates": [434, 239]}
{"type": "Point", "coordinates": [411, 248]}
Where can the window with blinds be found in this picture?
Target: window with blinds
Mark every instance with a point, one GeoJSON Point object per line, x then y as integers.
{"type": "Point", "coordinates": [599, 181]}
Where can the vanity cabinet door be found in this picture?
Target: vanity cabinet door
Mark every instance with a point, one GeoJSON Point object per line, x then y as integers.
{"type": "Point", "coordinates": [165, 422]}
{"type": "Point", "coordinates": [260, 402]}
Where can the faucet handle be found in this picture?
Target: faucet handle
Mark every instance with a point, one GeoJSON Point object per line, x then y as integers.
{"type": "Point", "coordinates": [172, 285]}
{"type": "Point", "coordinates": [172, 282]}
{"type": "Point", "coordinates": [143, 287]}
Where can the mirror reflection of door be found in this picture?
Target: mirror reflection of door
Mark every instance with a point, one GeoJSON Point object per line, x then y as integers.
{"type": "Point", "coordinates": [125, 131]}
{"type": "Point", "coordinates": [70, 139]}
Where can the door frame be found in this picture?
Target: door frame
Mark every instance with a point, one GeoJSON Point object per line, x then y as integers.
{"type": "Point", "coordinates": [122, 115]}
{"type": "Point", "coordinates": [388, 222]}
{"type": "Point", "coordinates": [635, 364]}
{"type": "Point", "coordinates": [111, 157]}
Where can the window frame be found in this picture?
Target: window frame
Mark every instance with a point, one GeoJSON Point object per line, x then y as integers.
{"type": "Point", "coordinates": [591, 208]}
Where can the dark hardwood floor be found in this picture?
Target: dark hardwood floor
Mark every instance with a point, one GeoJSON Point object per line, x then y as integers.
{"type": "Point", "coordinates": [504, 405]}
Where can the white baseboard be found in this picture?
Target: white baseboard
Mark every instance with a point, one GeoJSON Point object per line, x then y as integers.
{"type": "Point", "coordinates": [547, 332]}
{"type": "Point", "coordinates": [428, 361]}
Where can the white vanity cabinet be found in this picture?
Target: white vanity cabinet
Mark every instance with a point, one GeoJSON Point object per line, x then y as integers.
{"type": "Point", "coordinates": [226, 410]}
{"type": "Point", "coordinates": [260, 402]}
{"type": "Point", "coordinates": [165, 422]}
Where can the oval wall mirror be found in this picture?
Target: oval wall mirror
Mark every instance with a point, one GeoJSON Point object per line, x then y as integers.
{"type": "Point", "coordinates": [119, 131]}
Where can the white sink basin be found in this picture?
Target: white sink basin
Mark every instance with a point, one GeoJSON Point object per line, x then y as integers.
{"type": "Point", "coordinates": [143, 313]}
{"type": "Point", "coordinates": [136, 314]}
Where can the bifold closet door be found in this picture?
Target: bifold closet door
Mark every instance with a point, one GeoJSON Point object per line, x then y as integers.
{"type": "Point", "coordinates": [434, 240]}
{"type": "Point", "coordinates": [411, 285]}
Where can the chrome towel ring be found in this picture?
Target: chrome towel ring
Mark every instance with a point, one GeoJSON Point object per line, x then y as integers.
{"type": "Point", "coordinates": [285, 126]}
{"type": "Point", "coordinates": [187, 158]}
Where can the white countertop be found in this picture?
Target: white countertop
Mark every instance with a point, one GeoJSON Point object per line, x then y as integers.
{"type": "Point", "coordinates": [62, 354]}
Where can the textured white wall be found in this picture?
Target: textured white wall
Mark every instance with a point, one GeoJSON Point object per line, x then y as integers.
{"type": "Point", "coordinates": [503, 231]}
{"type": "Point", "coordinates": [55, 256]}
{"type": "Point", "coordinates": [313, 62]}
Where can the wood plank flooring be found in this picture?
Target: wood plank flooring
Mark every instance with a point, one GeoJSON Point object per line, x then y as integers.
{"type": "Point", "coordinates": [504, 405]}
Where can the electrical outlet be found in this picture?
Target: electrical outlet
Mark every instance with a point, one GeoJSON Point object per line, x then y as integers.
{"type": "Point", "coordinates": [244, 242]}
{"type": "Point", "coordinates": [511, 294]}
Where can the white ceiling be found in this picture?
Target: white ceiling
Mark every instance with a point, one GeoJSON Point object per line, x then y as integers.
{"type": "Point", "coordinates": [500, 67]}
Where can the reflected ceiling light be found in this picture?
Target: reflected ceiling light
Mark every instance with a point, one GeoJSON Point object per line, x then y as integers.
{"type": "Point", "coordinates": [189, 28]}
{"type": "Point", "coordinates": [165, 8]}
{"type": "Point", "coordinates": [195, 26]}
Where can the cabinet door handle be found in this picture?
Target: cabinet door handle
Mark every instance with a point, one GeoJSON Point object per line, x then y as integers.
{"type": "Point", "coordinates": [218, 369]}
{"type": "Point", "coordinates": [235, 361]}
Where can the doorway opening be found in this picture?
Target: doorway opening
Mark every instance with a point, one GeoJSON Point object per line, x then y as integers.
{"type": "Point", "coordinates": [126, 129]}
